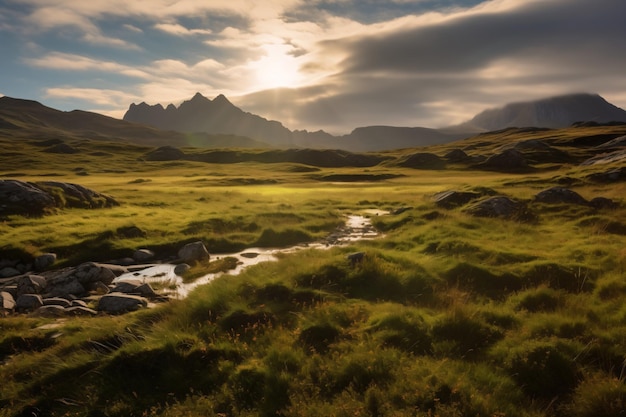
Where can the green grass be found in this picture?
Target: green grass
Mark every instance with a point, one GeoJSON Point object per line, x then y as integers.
{"type": "Point", "coordinates": [447, 315]}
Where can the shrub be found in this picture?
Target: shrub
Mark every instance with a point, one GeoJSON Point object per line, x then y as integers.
{"type": "Point", "coordinates": [459, 335]}
{"type": "Point", "coordinates": [317, 338]}
{"type": "Point", "coordinates": [544, 372]}
{"type": "Point", "coordinates": [540, 299]}
{"type": "Point", "coordinates": [404, 331]}
{"type": "Point", "coordinates": [598, 395]}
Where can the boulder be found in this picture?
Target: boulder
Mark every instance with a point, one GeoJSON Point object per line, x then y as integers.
{"type": "Point", "coordinates": [603, 203]}
{"type": "Point", "coordinates": [44, 261]}
{"type": "Point", "coordinates": [78, 196]}
{"type": "Point", "coordinates": [80, 311]}
{"type": "Point", "coordinates": [451, 199]}
{"type": "Point", "coordinates": [8, 271]}
{"type": "Point", "coordinates": [116, 303]}
{"type": "Point", "coordinates": [76, 280]}
{"type": "Point", "coordinates": [28, 302]}
{"type": "Point", "coordinates": [456, 155]}
{"type": "Point", "coordinates": [127, 286]}
{"type": "Point", "coordinates": [509, 160]}
{"type": "Point", "coordinates": [7, 303]}
{"type": "Point", "coordinates": [498, 206]}
{"type": "Point", "coordinates": [422, 160]}
{"type": "Point", "coordinates": [194, 252]}
{"type": "Point", "coordinates": [31, 284]}
{"type": "Point", "coordinates": [560, 195]}
{"type": "Point", "coordinates": [143, 255]}
{"type": "Point", "coordinates": [57, 301]}
{"type": "Point", "coordinates": [180, 269]}
{"type": "Point", "coordinates": [24, 198]}
{"type": "Point", "coordinates": [165, 153]}
{"type": "Point", "coordinates": [50, 311]}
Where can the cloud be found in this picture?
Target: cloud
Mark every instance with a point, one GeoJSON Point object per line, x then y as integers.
{"type": "Point", "coordinates": [101, 97]}
{"type": "Point", "coordinates": [413, 70]}
{"type": "Point", "coordinates": [179, 30]}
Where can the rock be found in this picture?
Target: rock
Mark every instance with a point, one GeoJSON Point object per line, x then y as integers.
{"type": "Point", "coordinates": [44, 261]}
{"type": "Point", "coordinates": [57, 301]}
{"type": "Point", "coordinates": [63, 148]}
{"type": "Point", "coordinates": [611, 175]}
{"type": "Point", "coordinates": [560, 195]}
{"type": "Point", "coordinates": [165, 153]}
{"type": "Point", "coordinates": [180, 269]}
{"type": "Point", "coordinates": [24, 198]}
{"type": "Point", "coordinates": [78, 303]}
{"type": "Point", "coordinates": [100, 288]}
{"type": "Point", "coordinates": [78, 196]}
{"type": "Point", "coordinates": [130, 232]}
{"type": "Point", "coordinates": [116, 303]}
{"type": "Point", "coordinates": [50, 311]}
{"type": "Point", "coordinates": [603, 203]}
{"type": "Point", "coordinates": [28, 302]}
{"type": "Point", "coordinates": [422, 160]}
{"type": "Point", "coordinates": [356, 257]}
{"type": "Point", "coordinates": [146, 290]}
{"type": "Point", "coordinates": [194, 252]}
{"type": "Point", "coordinates": [76, 280]}
{"type": "Point", "coordinates": [456, 155]}
{"type": "Point", "coordinates": [400, 210]}
{"type": "Point", "coordinates": [31, 284]}
{"type": "Point", "coordinates": [143, 255]}
{"type": "Point", "coordinates": [127, 286]}
{"type": "Point", "coordinates": [509, 160]}
{"type": "Point", "coordinates": [7, 302]}
{"type": "Point", "coordinates": [11, 289]}
{"type": "Point", "coordinates": [80, 311]}
{"type": "Point", "coordinates": [498, 206]}
{"type": "Point", "coordinates": [451, 199]}
{"type": "Point", "coordinates": [8, 271]}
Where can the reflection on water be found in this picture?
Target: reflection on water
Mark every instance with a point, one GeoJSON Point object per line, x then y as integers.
{"type": "Point", "coordinates": [163, 276]}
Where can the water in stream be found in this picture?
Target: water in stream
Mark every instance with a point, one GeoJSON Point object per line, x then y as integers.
{"type": "Point", "coordinates": [357, 227]}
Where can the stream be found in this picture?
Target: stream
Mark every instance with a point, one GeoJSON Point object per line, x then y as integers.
{"type": "Point", "coordinates": [357, 227]}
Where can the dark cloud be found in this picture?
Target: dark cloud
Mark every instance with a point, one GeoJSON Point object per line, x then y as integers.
{"type": "Point", "coordinates": [442, 73]}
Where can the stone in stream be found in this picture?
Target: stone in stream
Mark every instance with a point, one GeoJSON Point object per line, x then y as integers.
{"type": "Point", "coordinates": [7, 303]}
{"type": "Point", "coordinates": [194, 252]}
{"type": "Point", "coordinates": [28, 302]}
{"type": "Point", "coordinates": [116, 303]}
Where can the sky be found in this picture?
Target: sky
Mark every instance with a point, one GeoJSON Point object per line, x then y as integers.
{"type": "Point", "coordinates": [313, 64]}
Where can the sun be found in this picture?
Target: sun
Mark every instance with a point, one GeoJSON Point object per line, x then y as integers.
{"type": "Point", "coordinates": [277, 68]}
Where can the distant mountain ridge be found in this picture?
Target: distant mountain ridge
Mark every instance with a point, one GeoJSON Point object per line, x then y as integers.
{"type": "Point", "coordinates": [220, 116]}
{"type": "Point", "coordinates": [218, 123]}
{"type": "Point", "coordinates": [217, 116]}
{"type": "Point", "coordinates": [553, 112]}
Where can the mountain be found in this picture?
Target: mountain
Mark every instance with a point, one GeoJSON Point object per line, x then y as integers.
{"type": "Point", "coordinates": [554, 112]}
{"type": "Point", "coordinates": [217, 116]}
{"type": "Point", "coordinates": [27, 119]}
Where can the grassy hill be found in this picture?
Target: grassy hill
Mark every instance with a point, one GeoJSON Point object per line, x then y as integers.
{"type": "Point", "coordinates": [449, 314]}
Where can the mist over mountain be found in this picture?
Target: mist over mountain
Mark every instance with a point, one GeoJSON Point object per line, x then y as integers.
{"type": "Point", "coordinates": [553, 112]}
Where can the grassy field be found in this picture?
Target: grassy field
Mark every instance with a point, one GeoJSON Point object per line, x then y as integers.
{"type": "Point", "coordinates": [448, 314]}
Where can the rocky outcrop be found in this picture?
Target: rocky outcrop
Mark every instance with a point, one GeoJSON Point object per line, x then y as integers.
{"type": "Point", "coordinates": [497, 206]}
{"type": "Point", "coordinates": [560, 195]}
{"type": "Point", "coordinates": [194, 252]}
{"type": "Point", "coordinates": [116, 303]}
{"type": "Point", "coordinates": [422, 160]}
{"type": "Point", "coordinates": [509, 160]}
{"type": "Point", "coordinates": [451, 199]}
{"type": "Point", "coordinates": [40, 198]}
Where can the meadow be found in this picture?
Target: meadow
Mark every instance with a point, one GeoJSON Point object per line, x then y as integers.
{"type": "Point", "coordinates": [448, 314]}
